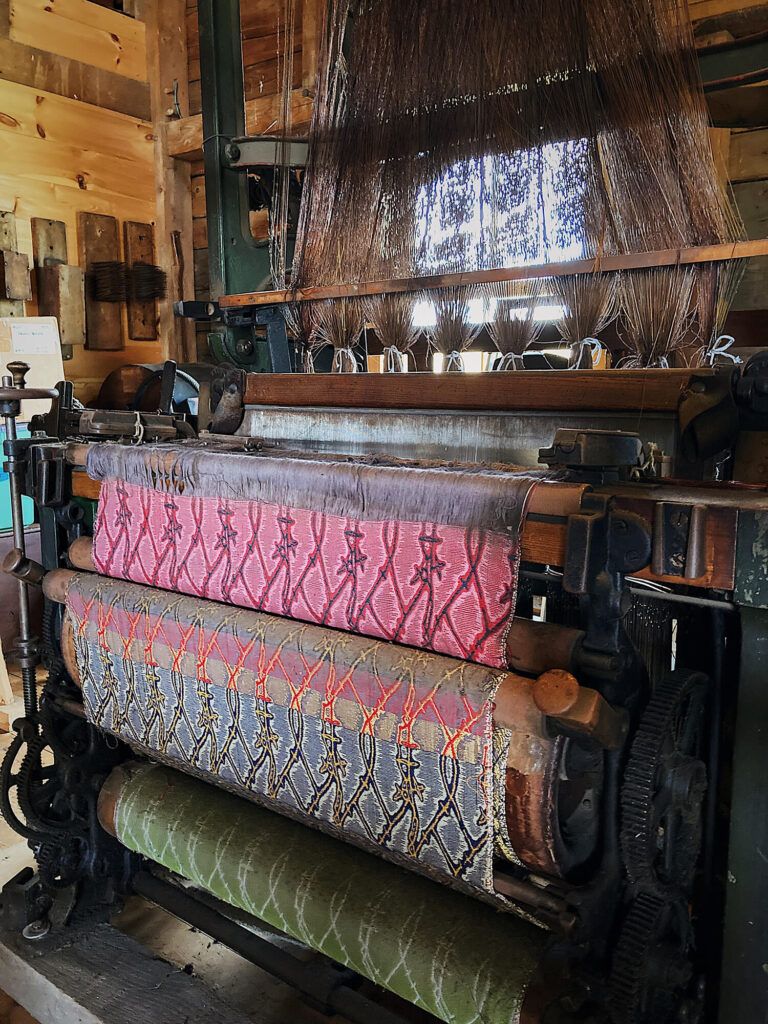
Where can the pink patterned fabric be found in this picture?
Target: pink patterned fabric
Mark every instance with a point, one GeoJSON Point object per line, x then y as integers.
{"type": "Point", "coordinates": [438, 587]}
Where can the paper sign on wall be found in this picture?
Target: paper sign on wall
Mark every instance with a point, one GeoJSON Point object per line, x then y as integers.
{"type": "Point", "coordinates": [38, 336]}
{"type": "Point", "coordinates": [33, 340]}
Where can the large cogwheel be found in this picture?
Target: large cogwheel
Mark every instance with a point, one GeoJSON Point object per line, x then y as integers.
{"type": "Point", "coordinates": [664, 785]}
{"type": "Point", "coordinates": [651, 969]}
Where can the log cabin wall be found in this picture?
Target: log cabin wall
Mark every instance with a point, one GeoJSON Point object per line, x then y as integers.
{"type": "Point", "coordinates": [76, 135]}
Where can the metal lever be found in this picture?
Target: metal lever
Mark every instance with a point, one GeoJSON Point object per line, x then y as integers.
{"type": "Point", "coordinates": [26, 569]}
{"type": "Point", "coordinates": [12, 392]}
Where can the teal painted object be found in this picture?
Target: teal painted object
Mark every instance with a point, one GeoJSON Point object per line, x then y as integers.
{"type": "Point", "coordinates": [28, 506]}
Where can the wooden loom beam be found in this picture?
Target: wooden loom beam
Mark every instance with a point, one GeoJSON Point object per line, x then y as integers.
{"type": "Point", "coordinates": [540, 390]}
{"type": "Point", "coordinates": [598, 264]}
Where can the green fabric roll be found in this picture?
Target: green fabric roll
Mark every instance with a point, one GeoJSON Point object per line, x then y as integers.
{"type": "Point", "coordinates": [450, 955]}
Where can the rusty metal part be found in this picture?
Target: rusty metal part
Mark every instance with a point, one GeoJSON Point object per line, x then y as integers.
{"type": "Point", "coordinates": [556, 692]}
{"type": "Point", "coordinates": [56, 583]}
{"type": "Point", "coordinates": [552, 785]}
{"type": "Point", "coordinates": [80, 554]}
{"type": "Point", "coordinates": [68, 649]}
{"type": "Point", "coordinates": [679, 540]}
{"type": "Point", "coordinates": [558, 695]}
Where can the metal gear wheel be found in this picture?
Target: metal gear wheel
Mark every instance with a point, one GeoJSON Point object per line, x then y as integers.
{"type": "Point", "coordinates": [651, 970]}
{"type": "Point", "coordinates": [664, 785]}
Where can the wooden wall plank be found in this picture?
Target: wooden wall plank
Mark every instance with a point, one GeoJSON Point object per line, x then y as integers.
{"type": "Point", "coordinates": [748, 159]}
{"type": "Point", "coordinates": [752, 201]}
{"type": "Point", "coordinates": [701, 9]}
{"type": "Point", "coordinates": [99, 238]}
{"type": "Point", "coordinates": [43, 115]}
{"type": "Point", "coordinates": [84, 32]}
{"type": "Point", "coordinates": [31, 66]}
{"type": "Point", "coordinates": [167, 56]}
{"type": "Point", "coordinates": [78, 169]}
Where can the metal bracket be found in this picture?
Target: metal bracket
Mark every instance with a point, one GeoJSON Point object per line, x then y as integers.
{"type": "Point", "coordinates": [604, 545]}
{"type": "Point", "coordinates": [265, 151]}
{"type": "Point", "coordinates": [597, 456]}
{"type": "Point", "coordinates": [679, 533]}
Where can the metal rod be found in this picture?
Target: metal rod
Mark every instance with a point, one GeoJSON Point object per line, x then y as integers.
{"type": "Point", "coordinates": [655, 595]}
{"type": "Point", "coordinates": [28, 675]}
{"type": "Point", "coordinates": [322, 983]}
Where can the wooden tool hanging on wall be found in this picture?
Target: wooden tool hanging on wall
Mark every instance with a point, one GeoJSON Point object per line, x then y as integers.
{"type": "Point", "coordinates": [15, 282]}
{"type": "Point", "coordinates": [99, 242]}
{"type": "Point", "coordinates": [146, 281]}
{"type": "Point", "coordinates": [60, 287]}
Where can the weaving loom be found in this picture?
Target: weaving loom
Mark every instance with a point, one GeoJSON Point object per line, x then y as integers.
{"type": "Point", "coordinates": [434, 673]}
{"type": "Point", "coordinates": [346, 642]}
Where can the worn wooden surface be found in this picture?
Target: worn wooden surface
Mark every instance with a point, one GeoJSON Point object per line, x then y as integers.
{"type": "Point", "coordinates": [60, 287]}
{"type": "Point", "coordinates": [566, 390]}
{"type": "Point", "coordinates": [139, 247]}
{"type": "Point", "coordinates": [101, 976]}
{"type": "Point", "coordinates": [100, 243]}
{"type": "Point", "coordinates": [8, 235]}
{"type": "Point", "coordinates": [15, 281]}
{"type": "Point", "coordinates": [167, 60]}
{"type": "Point", "coordinates": [752, 200]}
{"type": "Point", "coordinates": [80, 31]}
{"type": "Point", "coordinates": [627, 261]}
{"type": "Point", "coordinates": [49, 241]}
{"type": "Point", "coordinates": [61, 293]}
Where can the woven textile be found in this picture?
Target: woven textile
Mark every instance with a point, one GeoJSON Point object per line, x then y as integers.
{"type": "Point", "coordinates": [424, 557]}
{"type": "Point", "coordinates": [451, 956]}
{"type": "Point", "coordinates": [387, 746]}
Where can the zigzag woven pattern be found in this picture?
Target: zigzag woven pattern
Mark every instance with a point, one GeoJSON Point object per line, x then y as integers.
{"type": "Point", "coordinates": [437, 587]}
{"type": "Point", "coordinates": [387, 746]}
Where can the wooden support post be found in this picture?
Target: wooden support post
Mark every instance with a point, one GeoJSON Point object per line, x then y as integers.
{"type": "Point", "coordinates": [167, 67]}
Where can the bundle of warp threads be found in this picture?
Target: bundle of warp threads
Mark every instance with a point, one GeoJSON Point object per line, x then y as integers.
{"type": "Point", "coordinates": [422, 555]}
{"type": "Point", "coordinates": [450, 956]}
{"type": "Point", "coordinates": [453, 331]}
{"type": "Point", "coordinates": [515, 325]}
{"type": "Point", "coordinates": [388, 747]}
{"type": "Point", "coordinates": [340, 324]}
{"type": "Point", "coordinates": [517, 135]}
{"type": "Point", "coordinates": [392, 317]}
